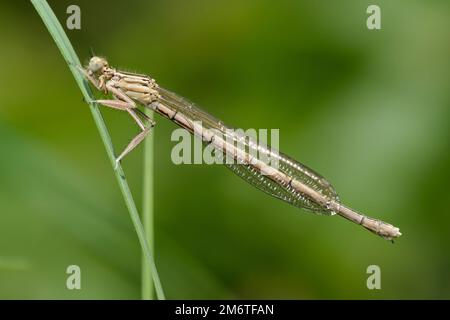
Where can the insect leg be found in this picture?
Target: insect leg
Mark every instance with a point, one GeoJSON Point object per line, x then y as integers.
{"type": "Point", "coordinates": [94, 81]}
{"type": "Point", "coordinates": [121, 101]}
{"type": "Point", "coordinates": [137, 139]}
{"type": "Point", "coordinates": [125, 103]}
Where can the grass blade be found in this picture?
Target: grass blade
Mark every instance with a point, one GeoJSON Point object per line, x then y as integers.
{"type": "Point", "coordinates": [147, 211]}
{"type": "Point", "coordinates": [64, 45]}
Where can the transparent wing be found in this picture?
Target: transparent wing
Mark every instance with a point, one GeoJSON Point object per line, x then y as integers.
{"type": "Point", "coordinates": [287, 165]}
{"type": "Point", "coordinates": [285, 193]}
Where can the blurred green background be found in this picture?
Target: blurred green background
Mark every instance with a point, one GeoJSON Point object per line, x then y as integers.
{"type": "Point", "coordinates": [367, 109]}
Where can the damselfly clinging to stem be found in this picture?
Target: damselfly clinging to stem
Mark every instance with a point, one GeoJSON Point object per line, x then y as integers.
{"type": "Point", "coordinates": [289, 180]}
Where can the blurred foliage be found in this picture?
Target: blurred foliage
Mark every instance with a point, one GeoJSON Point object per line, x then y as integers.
{"type": "Point", "coordinates": [369, 110]}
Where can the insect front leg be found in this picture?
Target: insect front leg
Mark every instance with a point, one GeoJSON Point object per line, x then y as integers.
{"type": "Point", "coordinates": [121, 101]}
{"type": "Point", "coordinates": [90, 78]}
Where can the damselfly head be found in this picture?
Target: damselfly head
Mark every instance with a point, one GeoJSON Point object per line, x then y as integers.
{"type": "Point", "coordinates": [97, 65]}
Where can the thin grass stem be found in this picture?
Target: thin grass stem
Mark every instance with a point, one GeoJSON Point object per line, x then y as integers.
{"type": "Point", "coordinates": [148, 212]}
{"type": "Point", "coordinates": [67, 51]}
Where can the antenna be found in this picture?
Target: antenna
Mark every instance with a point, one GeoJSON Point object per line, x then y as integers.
{"type": "Point", "coordinates": [91, 52]}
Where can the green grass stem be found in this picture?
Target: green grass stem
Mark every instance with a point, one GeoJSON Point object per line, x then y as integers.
{"type": "Point", "coordinates": [67, 51]}
{"type": "Point", "coordinates": [148, 212]}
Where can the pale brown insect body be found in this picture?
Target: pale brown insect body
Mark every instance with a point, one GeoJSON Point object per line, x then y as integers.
{"type": "Point", "coordinates": [290, 181]}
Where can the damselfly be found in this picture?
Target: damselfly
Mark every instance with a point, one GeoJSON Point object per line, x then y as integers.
{"type": "Point", "coordinates": [290, 180]}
